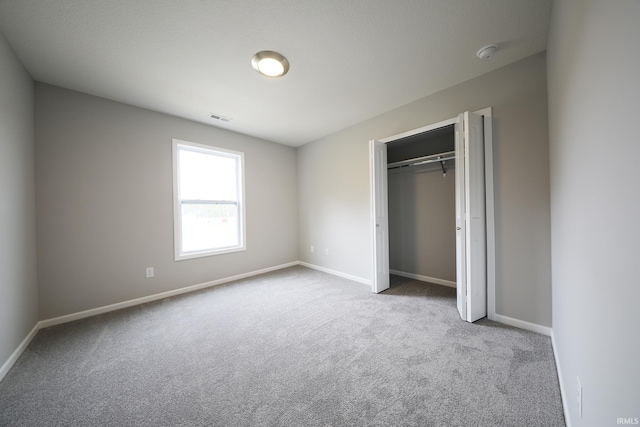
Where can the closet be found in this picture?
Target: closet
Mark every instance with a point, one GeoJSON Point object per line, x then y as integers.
{"type": "Point", "coordinates": [421, 241]}
{"type": "Point", "coordinates": [422, 206]}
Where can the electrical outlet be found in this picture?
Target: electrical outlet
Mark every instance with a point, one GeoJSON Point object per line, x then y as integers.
{"type": "Point", "coordinates": [311, 249]}
{"type": "Point", "coordinates": [150, 272]}
{"type": "Point", "coordinates": [579, 398]}
{"type": "Point", "coordinates": [326, 251]}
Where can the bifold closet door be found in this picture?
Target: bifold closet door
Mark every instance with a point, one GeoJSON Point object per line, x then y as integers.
{"type": "Point", "coordinates": [461, 251]}
{"type": "Point", "coordinates": [471, 260]}
{"type": "Point", "coordinates": [379, 200]}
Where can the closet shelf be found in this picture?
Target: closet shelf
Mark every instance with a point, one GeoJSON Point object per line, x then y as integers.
{"type": "Point", "coordinates": [440, 157]}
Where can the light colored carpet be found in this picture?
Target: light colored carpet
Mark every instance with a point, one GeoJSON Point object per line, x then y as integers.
{"type": "Point", "coordinates": [295, 347]}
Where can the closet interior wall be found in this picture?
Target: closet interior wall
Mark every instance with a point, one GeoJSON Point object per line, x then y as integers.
{"type": "Point", "coordinates": [422, 238]}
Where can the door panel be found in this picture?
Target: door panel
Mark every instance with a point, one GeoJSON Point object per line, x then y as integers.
{"type": "Point", "coordinates": [471, 259]}
{"type": "Point", "coordinates": [461, 252]}
{"type": "Point", "coordinates": [379, 198]}
{"type": "Point", "coordinates": [475, 218]}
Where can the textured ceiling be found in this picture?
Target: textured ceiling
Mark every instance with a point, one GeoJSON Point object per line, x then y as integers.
{"type": "Point", "coordinates": [350, 59]}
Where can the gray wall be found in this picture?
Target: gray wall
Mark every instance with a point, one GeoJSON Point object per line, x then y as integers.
{"type": "Point", "coordinates": [422, 221]}
{"type": "Point", "coordinates": [18, 274]}
{"type": "Point", "coordinates": [334, 193]}
{"type": "Point", "coordinates": [104, 198]}
{"type": "Point", "coordinates": [594, 95]}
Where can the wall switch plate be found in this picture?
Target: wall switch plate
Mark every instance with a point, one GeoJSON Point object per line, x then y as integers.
{"type": "Point", "coordinates": [150, 272]}
{"type": "Point", "coordinates": [326, 251]}
{"type": "Point", "coordinates": [311, 249]}
{"type": "Point", "coordinates": [579, 398]}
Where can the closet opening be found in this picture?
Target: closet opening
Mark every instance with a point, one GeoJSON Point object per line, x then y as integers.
{"type": "Point", "coordinates": [432, 209]}
{"type": "Point", "coordinates": [421, 206]}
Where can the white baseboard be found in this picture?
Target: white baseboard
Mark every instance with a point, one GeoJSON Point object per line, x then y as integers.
{"type": "Point", "coordinates": [112, 307]}
{"type": "Point", "coordinates": [533, 327]}
{"type": "Point", "coordinates": [442, 282]}
{"type": "Point", "coordinates": [336, 273]}
{"type": "Point", "coordinates": [544, 330]}
{"type": "Point", "coordinates": [18, 351]}
{"type": "Point", "coordinates": [155, 297]}
{"type": "Point", "coordinates": [563, 389]}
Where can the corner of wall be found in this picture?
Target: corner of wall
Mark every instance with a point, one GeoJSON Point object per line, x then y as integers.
{"type": "Point", "coordinates": [18, 270]}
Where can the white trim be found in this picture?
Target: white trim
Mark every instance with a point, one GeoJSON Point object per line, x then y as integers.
{"type": "Point", "coordinates": [533, 327]}
{"type": "Point", "coordinates": [336, 273]}
{"type": "Point", "coordinates": [18, 351]}
{"type": "Point", "coordinates": [206, 253]}
{"type": "Point", "coordinates": [563, 393]}
{"type": "Point", "coordinates": [155, 297]}
{"type": "Point", "coordinates": [8, 364]}
{"type": "Point", "coordinates": [442, 282]}
{"type": "Point", "coordinates": [238, 156]}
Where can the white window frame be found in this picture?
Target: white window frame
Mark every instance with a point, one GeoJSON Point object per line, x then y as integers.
{"type": "Point", "coordinates": [177, 202]}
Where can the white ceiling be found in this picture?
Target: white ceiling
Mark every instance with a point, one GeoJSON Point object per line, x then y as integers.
{"type": "Point", "coordinates": [350, 59]}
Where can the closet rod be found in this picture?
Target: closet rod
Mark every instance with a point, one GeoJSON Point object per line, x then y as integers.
{"type": "Point", "coordinates": [441, 157]}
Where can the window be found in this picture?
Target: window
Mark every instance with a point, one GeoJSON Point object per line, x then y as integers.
{"type": "Point", "coordinates": [208, 198]}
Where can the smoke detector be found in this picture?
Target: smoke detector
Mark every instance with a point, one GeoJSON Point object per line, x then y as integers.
{"type": "Point", "coordinates": [487, 52]}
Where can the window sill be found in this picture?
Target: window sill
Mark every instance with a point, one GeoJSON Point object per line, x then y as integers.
{"type": "Point", "coordinates": [192, 255]}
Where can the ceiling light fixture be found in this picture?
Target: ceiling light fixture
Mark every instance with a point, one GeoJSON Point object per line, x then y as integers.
{"type": "Point", "coordinates": [270, 64]}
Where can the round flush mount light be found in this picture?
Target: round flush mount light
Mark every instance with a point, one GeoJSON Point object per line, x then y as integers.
{"type": "Point", "coordinates": [270, 64]}
{"type": "Point", "coordinates": [487, 52]}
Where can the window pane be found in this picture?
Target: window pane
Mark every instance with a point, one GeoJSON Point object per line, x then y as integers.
{"type": "Point", "coordinates": [208, 200]}
{"type": "Point", "coordinates": [207, 176]}
{"type": "Point", "coordinates": [209, 227]}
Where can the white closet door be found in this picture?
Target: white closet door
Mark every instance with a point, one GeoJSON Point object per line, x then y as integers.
{"type": "Point", "coordinates": [471, 262]}
{"type": "Point", "coordinates": [476, 245]}
{"type": "Point", "coordinates": [461, 252]}
{"type": "Point", "coordinates": [379, 200]}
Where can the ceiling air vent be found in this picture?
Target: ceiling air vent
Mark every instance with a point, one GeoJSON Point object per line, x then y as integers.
{"type": "Point", "coordinates": [219, 117]}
